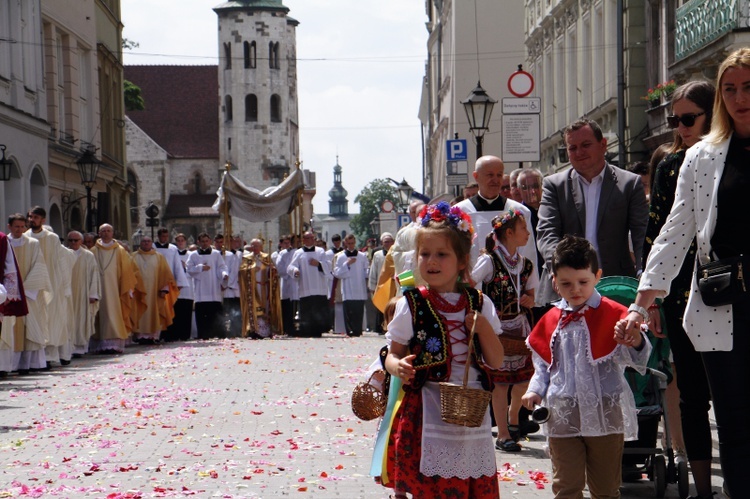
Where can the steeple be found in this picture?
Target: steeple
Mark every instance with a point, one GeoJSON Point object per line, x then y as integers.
{"type": "Point", "coordinates": [338, 205]}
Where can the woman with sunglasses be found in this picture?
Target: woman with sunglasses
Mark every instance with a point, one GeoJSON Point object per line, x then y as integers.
{"type": "Point", "coordinates": [711, 206]}
{"type": "Point", "coordinates": [691, 119]}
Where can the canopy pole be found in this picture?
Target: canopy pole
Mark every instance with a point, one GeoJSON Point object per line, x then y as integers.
{"type": "Point", "coordinates": [227, 216]}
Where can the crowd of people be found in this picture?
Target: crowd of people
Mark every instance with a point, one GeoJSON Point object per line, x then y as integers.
{"type": "Point", "coordinates": [537, 246]}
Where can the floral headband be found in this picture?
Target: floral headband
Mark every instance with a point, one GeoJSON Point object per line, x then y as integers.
{"type": "Point", "coordinates": [506, 218]}
{"type": "Point", "coordinates": [443, 212]}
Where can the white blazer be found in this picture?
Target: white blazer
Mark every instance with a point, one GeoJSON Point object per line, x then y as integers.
{"type": "Point", "coordinates": [693, 214]}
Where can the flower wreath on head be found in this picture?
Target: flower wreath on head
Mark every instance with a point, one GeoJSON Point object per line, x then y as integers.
{"type": "Point", "coordinates": [443, 212]}
{"type": "Point", "coordinates": [507, 218]}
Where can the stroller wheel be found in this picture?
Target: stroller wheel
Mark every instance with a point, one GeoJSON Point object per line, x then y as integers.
{"type": "Point", "coordinates": [660, 476]}
{"type": "Point", "coordinates": [683, 484]}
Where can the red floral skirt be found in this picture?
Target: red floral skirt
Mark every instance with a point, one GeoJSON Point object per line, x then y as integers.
{"type": "Point", "coordinates": [404, 451]}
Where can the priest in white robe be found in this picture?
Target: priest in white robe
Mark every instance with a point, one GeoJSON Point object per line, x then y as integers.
{"type": "Point", "coordinates": [209, 272]}
{"type": "Point", "coordinates": [309, 268]}
{"type": "Point", "coordinates": [60, 263]}
{"type": "Point", "coordinates": [351, 270]}
{"type": "Point", "coordinates": [31, 332]}
{"type": "Point", "coordinates": [13, 304]}
{"type": "Point", "coordinates": [86, 285]}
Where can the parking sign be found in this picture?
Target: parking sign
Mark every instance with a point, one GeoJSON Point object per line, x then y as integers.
{"type": "Point", "coordinates": [456, 150]}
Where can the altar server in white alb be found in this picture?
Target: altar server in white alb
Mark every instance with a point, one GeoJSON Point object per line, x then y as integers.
{"type": "Point", "coordinates": [31, 332]}
{"type": "Point", "coordinates": [309, 268]}
{"type": "Point", "coordinates": [86, 285]}
{"type": "Point", "coordinates": [60, 263]}
{"type": "Point", "coordinates": [351, 270]}
{"type": "Point", "coordinates": [289, 287]}
{"type": "Point", "coordinates": [181, 327]}
{"type": "Point", "coordinates": [209, 273]}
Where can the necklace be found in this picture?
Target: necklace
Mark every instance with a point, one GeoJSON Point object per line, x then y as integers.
{"type": "Point", "coordinates": [444, 305]}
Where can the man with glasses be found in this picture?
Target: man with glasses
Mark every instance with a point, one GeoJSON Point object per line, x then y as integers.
{"type": "Point", "coordinates": [86, 286]}
{"type": "Point", "coordinates": [530, 186]}
{"type": "Point", "coordinates": [595, 200]}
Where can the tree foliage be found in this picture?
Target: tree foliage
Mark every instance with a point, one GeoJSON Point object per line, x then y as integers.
{"type": "Point", "coordinates": [133, 98]}
{"type": "Point", "coordinates": [369, 201]}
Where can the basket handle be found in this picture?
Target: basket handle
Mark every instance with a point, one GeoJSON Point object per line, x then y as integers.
{"type": "Point", "coordinates": [471, 348]}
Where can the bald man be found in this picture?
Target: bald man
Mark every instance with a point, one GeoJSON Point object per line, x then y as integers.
{"type": "Point", "coordinates": [489, 202]}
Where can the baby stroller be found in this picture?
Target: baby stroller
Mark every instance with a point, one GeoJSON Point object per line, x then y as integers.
{"type": "Point", "coordinates": [643, 455]}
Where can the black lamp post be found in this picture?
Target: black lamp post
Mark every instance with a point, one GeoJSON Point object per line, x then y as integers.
{"type": "Point", "coordinates": [5, 165]}
{"type": "Point", "coordinates": [375, 226]}
{"type": "Point", "coordinates": [88, 167]}
{"type": "Point", "coordinates": [404, 194]}
{"type": "Point", "coordinates": [152, 212]}
{"type": "Point", "coordinates": [478, 107]}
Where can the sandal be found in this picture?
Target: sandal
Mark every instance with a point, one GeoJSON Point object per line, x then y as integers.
{"type": "Point", "coordinates": [507, 445]}
{"type": "Point", "coordinates": [515, 432]}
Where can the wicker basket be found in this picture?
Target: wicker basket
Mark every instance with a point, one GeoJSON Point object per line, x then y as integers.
{"type": "Point", "coordinates": [368, 402]}
{"type": "Point", "coordinates": [461, 405]}
{"type": "Point", "coordinates": [514, 345]}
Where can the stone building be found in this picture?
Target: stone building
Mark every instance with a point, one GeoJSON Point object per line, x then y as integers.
{"type": "Point", "coordinates": [258, 121]}
{"type": "Point", "coordinates": [172, 146]}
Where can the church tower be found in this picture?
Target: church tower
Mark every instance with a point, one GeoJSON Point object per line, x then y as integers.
{"type": "Point", "coordinates": [259, 124]}
{"type": "Point", "coordinates": [338, 205]}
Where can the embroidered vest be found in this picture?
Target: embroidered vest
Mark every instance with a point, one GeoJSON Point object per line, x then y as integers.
{"type": "Point", "coordinates": [430, 343]}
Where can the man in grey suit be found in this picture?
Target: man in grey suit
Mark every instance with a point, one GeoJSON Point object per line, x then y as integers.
{"type": "Point", "coordinates": [595, 200]}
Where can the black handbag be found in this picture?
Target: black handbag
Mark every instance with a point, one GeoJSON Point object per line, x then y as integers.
{"type": "Point", "coordinates": [722, 282]}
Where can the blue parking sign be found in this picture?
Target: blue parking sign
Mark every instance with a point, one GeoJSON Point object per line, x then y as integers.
{"type": "Point", "coordinates": [456, 150]}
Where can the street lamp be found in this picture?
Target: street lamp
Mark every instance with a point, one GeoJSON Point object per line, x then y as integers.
{"type": "Point", "coordinates": [478, 107]}
{"type": "Point", "coordinates": [88, 167]}
{"type": "Point", "coordinates": [5, 165]}
{"type": "Point", "coordinates": [375, 226]}
{"type": "Point", "coordinates": [404, 191]}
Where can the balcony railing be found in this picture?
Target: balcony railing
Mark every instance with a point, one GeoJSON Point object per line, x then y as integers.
{"type": "Point", "coordinates": [700, 22]}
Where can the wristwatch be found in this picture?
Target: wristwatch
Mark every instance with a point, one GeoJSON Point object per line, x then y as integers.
{"type": "Point", "coordinates": [640, 311]}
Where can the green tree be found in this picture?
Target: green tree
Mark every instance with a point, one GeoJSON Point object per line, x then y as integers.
{"type": "Point", "coordinates": [369, 201]}
{"type": "Point", "coordinates": [133, 98]}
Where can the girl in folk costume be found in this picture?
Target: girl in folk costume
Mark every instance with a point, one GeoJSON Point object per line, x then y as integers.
{"type": "Point", "coordinates": [427, 457]}
{"type": "Point", "coordinates": [509, 280]}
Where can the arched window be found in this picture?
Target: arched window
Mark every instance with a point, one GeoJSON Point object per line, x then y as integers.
{"type": "Point", "coordinates": [251, 107]}
{"type": "Point", "coordinates": [270, 55]}
{"type": "Point", "coordinates": [228, 55]}
{"type": "Point", "coordinates": [276, 56]}
{"type": "Point", "coordinates": [134, 211]}
{"type": "Point", "coordinates": [228, 108]}
{"type": "Point", "coordinates": [250, 55]}
{"type": "Point", "coordinates": [275, 108]}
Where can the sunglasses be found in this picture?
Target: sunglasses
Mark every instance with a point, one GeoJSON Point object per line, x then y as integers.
{"type": "Point", "coordinates": [73, 240]}
{"type": "Point", "coordinates": [686, 119]}
{"type": "Point", "coordinates": [526, 187]}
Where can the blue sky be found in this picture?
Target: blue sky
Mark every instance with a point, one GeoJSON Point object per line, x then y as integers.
{"type": "Point", "coordinates": [360, 67]}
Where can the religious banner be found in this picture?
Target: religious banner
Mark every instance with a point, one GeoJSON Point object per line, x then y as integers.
{"type": "Point", "coordinates": [253, 205]}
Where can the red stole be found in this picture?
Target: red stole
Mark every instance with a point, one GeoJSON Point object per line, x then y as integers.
{"type": "Point", "coordinates": [600, 322]}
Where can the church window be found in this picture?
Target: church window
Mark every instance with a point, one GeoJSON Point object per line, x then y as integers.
{"type": "Point", "coordinates": [251, 107]}
{"type": "Point", "coordinates": [228, 55]}
{"type": "Point", "coordinates": [228, 108]}
{"type": "Point", "coordinates": [273, 55]}
{"type": "Point", "coordinates": [275, 108]}
{"type": "Point", "coordinates": [133, 182]}
{"type": "Point", "coordinates": [250, 55]}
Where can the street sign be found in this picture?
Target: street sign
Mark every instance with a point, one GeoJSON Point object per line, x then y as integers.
{"type": "Point", "coordinates": [403, 219]}
{"type": "Point", "coordinates": [526, 105]}
{"type": "Point", "coordinates": [457, 180]}
{"type": "Point", "coordinates": [456, 150]}
{"type": "Point", "coordinates": [521, 83]}
{"type": "Point", "coordinates": [457, 167]}
{"type": "Point", "coordinates": [521, 138]}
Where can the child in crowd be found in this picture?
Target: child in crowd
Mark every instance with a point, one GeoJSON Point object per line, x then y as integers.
{"type": "Point", "coordinates": [580, 351]}
{"type": "Point", "coordinates": [429, 344]}
{"type": "Point", "coordinates": [509, 280]}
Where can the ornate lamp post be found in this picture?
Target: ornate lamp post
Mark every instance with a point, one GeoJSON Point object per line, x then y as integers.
{"type": "Point", "coordinates": [88, 167]}
{"type": "Point", "coordinates": [478, 107]}
{"type": "Point", "coordinates": [5, 165]}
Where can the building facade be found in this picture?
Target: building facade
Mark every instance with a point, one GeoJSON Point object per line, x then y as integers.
{"type": "Point", "coordinates": [468, 42]}
{"type": "Point", "coordinates": [338, 218]}
{"type": "Point", "coordinates": [23, 106]}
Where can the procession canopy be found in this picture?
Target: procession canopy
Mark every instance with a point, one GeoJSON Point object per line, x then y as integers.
{"type": "Point", "coordinates": [253, 205]}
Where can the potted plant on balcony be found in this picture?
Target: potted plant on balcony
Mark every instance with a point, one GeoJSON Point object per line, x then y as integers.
{"type": "Point", "coordinates": [653, 96]}
{"type": "Point", "coordinates": [667, 88]}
